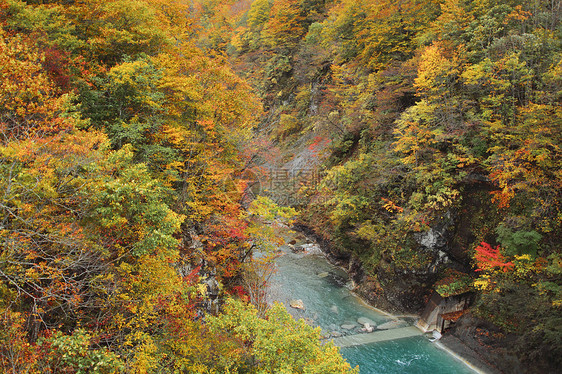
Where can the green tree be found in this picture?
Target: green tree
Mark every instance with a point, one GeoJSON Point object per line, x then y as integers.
{"type": "Point", "coordinates": [277, 343]}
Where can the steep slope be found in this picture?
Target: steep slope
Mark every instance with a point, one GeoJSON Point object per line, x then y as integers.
{"type": "Point", "coordinates": [439, 125]}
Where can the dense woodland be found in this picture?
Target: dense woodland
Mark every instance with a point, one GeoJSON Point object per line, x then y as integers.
{"type": "Point", "coordinates": [439, 126]}
{"type": "Point", "coordinates": [127, 129]}
{"type": "Point", "coordinates": [118, 224]}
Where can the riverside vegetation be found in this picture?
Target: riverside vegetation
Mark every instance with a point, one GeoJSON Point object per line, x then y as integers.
{"type": "Point", "coordinates": [128, 130]}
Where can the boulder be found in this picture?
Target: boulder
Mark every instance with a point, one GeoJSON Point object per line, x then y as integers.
{"type": "Point", "coordinates": [348, 326]}
{"type": "Point", "coordinates": [297, 304]}
{"type": "Point", "coordinates": [312, 248]}
{"type": "Point", "coordinates": [367, 328]}
{"type": "Point", "coordinates": [363, 321]}
{"type": "Point", "coordinates": [296, 248]}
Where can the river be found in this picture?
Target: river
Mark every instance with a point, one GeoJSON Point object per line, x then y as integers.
{"type": "Point", "coordinates": [329, 303]}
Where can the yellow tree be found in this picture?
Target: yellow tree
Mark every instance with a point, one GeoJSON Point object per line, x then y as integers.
{"type": "Point", "coordinates": [285, 26]}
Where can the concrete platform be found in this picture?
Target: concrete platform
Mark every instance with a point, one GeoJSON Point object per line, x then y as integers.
{"type": "Point", "coordinates": [377, 336]}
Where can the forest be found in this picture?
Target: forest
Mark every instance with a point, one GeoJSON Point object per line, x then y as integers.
{"type": "Point", "coordinates": [132, 132]}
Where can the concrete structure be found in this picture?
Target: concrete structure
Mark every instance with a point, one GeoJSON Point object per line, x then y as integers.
{"type": "Point", "coordinates": [377, 336]}
{"type": "Point", "coordinates": [441, 311]}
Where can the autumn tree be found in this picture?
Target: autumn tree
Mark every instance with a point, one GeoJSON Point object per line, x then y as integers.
{"type": "Point", "coordinates": [277, 343]}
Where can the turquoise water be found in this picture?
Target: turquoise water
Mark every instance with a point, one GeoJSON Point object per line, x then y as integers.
{"type": "Point", "coordinates": [329, 303]}
{"type": "Point", "coordinates": [409, 356]}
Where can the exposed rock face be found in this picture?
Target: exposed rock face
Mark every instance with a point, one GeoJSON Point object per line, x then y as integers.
{"type": "Point", "coordinates": [213, 287]}
{"type": "Point", "coordinates": [212, 302]}
{"type": "Point", "coordinates": [400, 293]}
{"type": "Point", "coordinates": [490, 345]}
{"type": "Point", "coordinates": [355, 269]}
{"type": "Point", "coordinates": [195, 241]}
{"type": "Point", "coordinates": [397, 292]}
{"type": "Point", "coordinates": [434, 239]}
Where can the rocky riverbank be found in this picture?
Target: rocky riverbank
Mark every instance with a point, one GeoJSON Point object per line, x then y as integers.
{"type": "Point", "coordinates": [395, 298]}
{"type": "Point", "coordinates": [470, 338]}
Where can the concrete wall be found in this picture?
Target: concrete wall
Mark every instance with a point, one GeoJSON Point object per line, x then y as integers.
{"type": "Point", "coordinates": [431, 318]}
